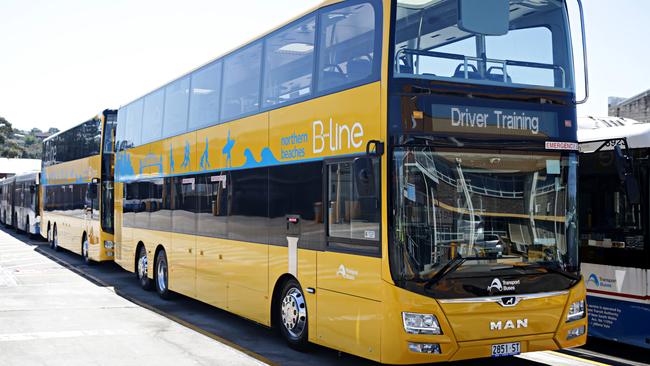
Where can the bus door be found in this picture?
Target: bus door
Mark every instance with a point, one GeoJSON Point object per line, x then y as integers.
{"type": "Point", "coordinates": [349, 269]}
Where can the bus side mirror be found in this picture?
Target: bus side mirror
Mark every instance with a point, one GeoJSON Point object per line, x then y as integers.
{"type": "Point", "coordinates": [364, 176]}
{"type": "Point", "coordinates": [489, 18]}
{"type": "Point", "coordinates": [32, 188]}
{"type": "Point", "coordinates": [624, 168]}
{"type": "Point", "coordinates": [92, 190]}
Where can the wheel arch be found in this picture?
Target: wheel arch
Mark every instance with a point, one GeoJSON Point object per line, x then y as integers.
{"type": "Point", "coordinates": [277, 292]}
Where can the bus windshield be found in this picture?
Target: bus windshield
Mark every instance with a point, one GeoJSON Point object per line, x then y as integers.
{"type": "Point", "coordinates": [493, 208]}
{"type": "Point", "coordinates": [535, 52]}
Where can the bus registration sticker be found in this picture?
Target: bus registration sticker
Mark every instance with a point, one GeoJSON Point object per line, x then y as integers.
{"type": "Point", "coordinates": [506, 349]}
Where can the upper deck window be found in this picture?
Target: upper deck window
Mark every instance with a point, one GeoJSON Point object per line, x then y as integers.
{"type": "Point", "coordinates": [536, 50]}
{"type": "Point", "coordinates": [347, 42]}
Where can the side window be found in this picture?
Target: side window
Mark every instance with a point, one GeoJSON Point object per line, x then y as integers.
{"type": "Point", "coordinates": [241, 82]}
{"type": "Point", "coordinates": [143, 205]}
{"type": "Point", "coordinates": [159, 207]}
{"type": "Point", "coordinates": [184, 205]}
{"type": "Point", "coordinates": [177, 97]}
{"type": "Point", "coordinates": [130, 204]}
{"type": "Point", "coordinates": [353, 205]}
{"type": "Point", "coordinates": [120, 132]}
{"type": "Point", "coordinates": [134, 124]}
{"type": "Point", "coordinates": [206, 95]}
{"type": "Point", "coordinates": [297, 189]}
{"type": "Point", "coordinates": [213, 205]}
{"type": "Point", "coordinates": [289, 63]}
{"type": "Point", "coordinates": [153, 115]}
{"type": "Point", "coordinates": [347, 46]}
{"type": "Point", "coordinates": [248, 197]}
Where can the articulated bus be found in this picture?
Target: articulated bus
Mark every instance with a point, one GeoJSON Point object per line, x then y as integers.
{"type": "Point", "coordinates": [392, 179]}
{"type": "Point", "coordinates": [614, 223]}
{"type": "Point", "coordinates": [77, 188]}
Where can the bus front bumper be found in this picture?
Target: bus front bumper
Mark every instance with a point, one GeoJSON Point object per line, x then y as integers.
{"type": "Point", "coordinates": [466, 333]}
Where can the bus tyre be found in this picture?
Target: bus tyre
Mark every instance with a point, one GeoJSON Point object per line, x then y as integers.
{"type": "Point", "coordinates": [292, 315]}
{"type": "Point", "coordinates": [55, 240]}
{"type": "Point", "coordinates": [142, 269]}
{"type": "Point", "coordinates": [85, 250]}
{"type": "Point", "coordinates": [161, 276]}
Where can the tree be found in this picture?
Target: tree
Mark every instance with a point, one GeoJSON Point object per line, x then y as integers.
{"type": "Point", "coordinates": [53, 130]}
{"type": "Point", "coordinates": [6, 131]}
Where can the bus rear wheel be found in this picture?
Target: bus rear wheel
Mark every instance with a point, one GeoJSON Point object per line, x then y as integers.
{"type": "Point", "coordinates": [161, 276]}
{"type": "Point", "coordinates": [292, 315]}
{"type": "Point", "coordinates": [85, 250]}
{"type": "Point", "coordinates": [55, 240]}
{"type": "Point", "coordinates": [142, 269]}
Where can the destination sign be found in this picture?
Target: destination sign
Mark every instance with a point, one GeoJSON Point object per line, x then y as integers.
{"type": "Point", "coordinates": [453, 118]}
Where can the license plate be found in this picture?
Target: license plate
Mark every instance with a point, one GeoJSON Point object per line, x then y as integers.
{"type": "Point", "coordinates": [506, 349]}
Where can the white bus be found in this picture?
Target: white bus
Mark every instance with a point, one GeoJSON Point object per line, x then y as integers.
{"type": "Point", "coordinates": [614, 224]}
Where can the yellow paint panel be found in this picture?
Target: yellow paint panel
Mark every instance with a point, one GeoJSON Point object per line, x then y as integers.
{"type": "Point", "coordinates": [349, 323]}
{"type": "Point", "coordinates": [351, 274]}
{"type": "Point", "coordinates": [325, 127]}
{"type": "Point", "coordinates": [243, 141]}
{"type": "Point", "coordinates": [182, 264]}
{"type": "Point", "coordinates": [472, 321]}
{"type": "Point", "coordinates": [211, 283]}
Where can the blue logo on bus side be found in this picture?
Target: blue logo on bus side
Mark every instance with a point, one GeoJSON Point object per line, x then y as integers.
{"type": "Point", "coordinates": [593, 278]}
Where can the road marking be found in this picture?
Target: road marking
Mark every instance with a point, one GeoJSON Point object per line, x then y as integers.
{"type": "Point", "coordinates": [20, 337]}
{"type": "Point", "coordinates": [559, 359]}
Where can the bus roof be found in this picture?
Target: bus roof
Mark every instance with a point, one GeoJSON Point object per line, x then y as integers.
{"type": "Point", "coordinates": [323, 4]}
{"type": "Point", "coordinates": [71, 127]}
{"type": "Point", "coordinates": [605, 128]}
{"type": "Point", "coordinates": [28, 176]}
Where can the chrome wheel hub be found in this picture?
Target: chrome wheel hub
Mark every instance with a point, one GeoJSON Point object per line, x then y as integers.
{"type": "Point", "coordinates": [84, 249]}
{"type": "Point", "coordinates": [162, 276]}
{"type": "Point", "coordinates": [294, 312]}
{"type": "Point", "coordinates": [142, 266]}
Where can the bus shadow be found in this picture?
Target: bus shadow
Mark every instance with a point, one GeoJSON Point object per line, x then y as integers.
{"type": "Point", "coordinates": [249, 337]}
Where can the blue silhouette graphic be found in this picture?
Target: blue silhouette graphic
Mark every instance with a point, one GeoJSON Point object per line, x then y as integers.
{"type": "Point", "coordinates": [205, 158]}
{"type": "Point", "coordinates": [171, 158]}
{"type": "Point", "coordinates": [186, 158]}
{"type": "Point", "coordinates": [151, 160]}
{"type": "Point", "coordinates": [227, 150]}
{"type": "Point", "coordinates": [267, 158]}
{"type": "Point", "coordinates": [123, 168]}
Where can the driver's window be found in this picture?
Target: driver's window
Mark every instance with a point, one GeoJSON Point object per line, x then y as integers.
{"type": "Point", "coordinates": [347, 46]}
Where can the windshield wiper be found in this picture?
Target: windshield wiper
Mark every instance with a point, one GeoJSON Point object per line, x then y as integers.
{"type": "Point", "coordinates": [451, 266]}
{"type": "Point", "coordinates": [553, 267]}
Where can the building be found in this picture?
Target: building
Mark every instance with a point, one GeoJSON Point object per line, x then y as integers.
{"type": "Point", "coordinates": [11, 167]}
{"type": "Point", "coordinates": [637, 107]}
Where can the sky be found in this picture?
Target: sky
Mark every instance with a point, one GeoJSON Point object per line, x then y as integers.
{"type": "Point", "coordinates": [63, 61]}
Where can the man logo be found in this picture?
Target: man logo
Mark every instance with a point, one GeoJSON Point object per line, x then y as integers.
{"type": "Point", "coordinates": [496, 284]}
{"type": "Point", "coordinates": [509, 324]}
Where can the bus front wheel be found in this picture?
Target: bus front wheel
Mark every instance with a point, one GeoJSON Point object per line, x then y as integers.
{"type": "Point", "coordinates": [292, 315]}
{"type": "Point", "coordinates": [162, 275]}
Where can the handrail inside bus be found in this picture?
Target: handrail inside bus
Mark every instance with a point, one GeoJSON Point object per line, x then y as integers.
{"type": "Point", "coordinates": [466, 59]}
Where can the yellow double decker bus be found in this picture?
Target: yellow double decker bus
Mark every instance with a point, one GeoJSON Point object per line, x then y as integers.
{"type": "Point", "coordinates": [77, 188]}
{"type": "Point", "coordinates": [391, 179]}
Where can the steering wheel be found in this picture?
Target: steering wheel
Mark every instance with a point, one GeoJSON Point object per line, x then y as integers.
{"type": "Point", "coordinates": [469, 66]}
{"type": "Point", "coordinates": [335, 67]}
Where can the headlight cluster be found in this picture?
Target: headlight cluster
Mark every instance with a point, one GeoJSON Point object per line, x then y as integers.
{"type": "Point", "coordinates": [415, 323]}
{"type": "Point", "coordinates": [576, 311]}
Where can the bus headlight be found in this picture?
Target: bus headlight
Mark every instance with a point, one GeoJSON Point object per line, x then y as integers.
{"type": "Point", "coordinates": [108, 244]}
{"type": "Point", "coordinates": [415, 323]}
{"type": "Point", "coordinates": [576, 311]}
